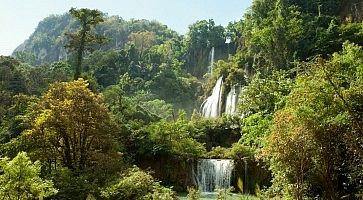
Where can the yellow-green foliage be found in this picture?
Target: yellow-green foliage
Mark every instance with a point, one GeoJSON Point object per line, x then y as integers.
{"type": "Point", "coordinates": [72, 125]}
{"type": "Point", "coordinates": [138, 185]}
{"type": "Point", "coordinates": [193, 193]}
{"type": "Point", "coordinates": [317, 130]}
{"type": "Point", "coordinates": [20, 179]}
{"type": "Point", "coordinates": [240, 184]}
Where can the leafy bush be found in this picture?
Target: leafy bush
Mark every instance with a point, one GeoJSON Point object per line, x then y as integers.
{"type": "Point", "coordinates": [223, 194]}
{"type": "Point", "coordinates": [138, 185]}
{"type": "Point", "coordinates": [218, 152]}
{"type": "Point", "coordinates": [20, 179]}
{"type": "Point", "coordinates": [193, 193]}
{"type": "Point", "coordinates": [239, 151]}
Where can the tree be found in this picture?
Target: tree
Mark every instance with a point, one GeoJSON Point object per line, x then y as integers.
{"type": "Point", "coordinates": [20, 179]}
{"type": "Point", "coordinates": [315, 145]}
{"type": "Point", "coordinates": [12, 82]}
{"type": "Point", "coordinates": [73, 126]}
{"type": "Point", "coordinates": [84, 40]}
{"type": "Point", "coordinates": [17, 118]}
{"type": "Point", "coordinates": [142, 40]}
{"type": "Point", "coordinates": [107, 66]}
{"type": "Point", "coordinates": [265, 95]}
{"type": "Point", "coordinates": [11, 79]}
{"type": "Point", "coordinates": [271, 32]}
{"type": "Point", "coordinates": [24, 57]}
{"type": "Point", "coordinates": [201, 37]}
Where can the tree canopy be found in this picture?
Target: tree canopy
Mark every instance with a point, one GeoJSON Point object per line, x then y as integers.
{"type": "Point", "coordinates": [132, 127]}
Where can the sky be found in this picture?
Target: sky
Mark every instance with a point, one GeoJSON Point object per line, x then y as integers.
{"type": "Point", "coordinates": [19, 18]}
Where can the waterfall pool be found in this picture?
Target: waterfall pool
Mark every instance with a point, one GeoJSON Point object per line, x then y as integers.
{"type": "Point", "coordinates": [213, 196]}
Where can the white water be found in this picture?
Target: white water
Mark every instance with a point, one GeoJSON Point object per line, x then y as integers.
{"type": "Point", "coordinates": [211, 107]}
{"type": "Point", "coordinates": [211, 62]}
{"type": "Point", "coordinates": [213, 174]}
{"type": "Point", "coordinates": [232, 100]}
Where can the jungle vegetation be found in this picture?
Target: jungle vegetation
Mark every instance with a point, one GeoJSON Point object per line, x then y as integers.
{"type": "Point", "coordinates": [95, 106]}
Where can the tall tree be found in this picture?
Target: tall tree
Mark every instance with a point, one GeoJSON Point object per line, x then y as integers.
{"type": "Point", "coordinates": [84, 40]}
{"type": "Point", "coordinates": [142, 40]}
{"type": "Point", "coordinates": [73, 126]}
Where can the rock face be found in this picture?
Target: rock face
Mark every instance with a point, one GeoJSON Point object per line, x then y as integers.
{"type": "Point", "coordinates": [352, 11]}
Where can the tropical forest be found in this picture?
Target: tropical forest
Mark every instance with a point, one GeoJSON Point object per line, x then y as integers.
{"type": "Point", "coordinates": [97, 107]}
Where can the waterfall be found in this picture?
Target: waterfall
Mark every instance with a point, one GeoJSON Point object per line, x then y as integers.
{"type": "Point", "coordinates": [211, 62]}
{"type": "Point", "coordinates": [211, 107]}
{"type": "Point", "coordinates": [232, 100]}
{"type": "Point", "coordinates": [213, 174]}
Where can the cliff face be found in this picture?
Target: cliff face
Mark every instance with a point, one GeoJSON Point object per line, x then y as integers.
{"type": "Point", "coordinates": [352, 11]}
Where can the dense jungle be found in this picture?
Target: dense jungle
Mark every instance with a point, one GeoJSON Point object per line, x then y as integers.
{"type": "Point", "coordinates": [93, 106]}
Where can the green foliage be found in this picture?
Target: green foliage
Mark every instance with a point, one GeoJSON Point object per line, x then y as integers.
{"type": "Point", "coordinates": [159, 108]}
{"type": "Point", "coordinates": [255, 128]}
{"type": "Point", "coordinates": [20, 179]}
{"type": "Point", "coordinates": [72, 126]}
{"type": "Point", "coordinates": [239, 152]}
{"type": "Point", "coordinates": [310, 135]}
{"type": "Point", "coordinates": [108, 66]}
{"type": "Point", "coordinates": [142, 40]}
{"type": "Point", "coordinates": [223, 194]}
{"type": "Point", "coordinates": [24, 57]}
{"type": "Point", "coordinates": [232, 74]}
{"type": "Point", "coordinates": [218, 152]}
{"type": "Point", "coordinates": [249, 197]}
{"type": "Point", "coordinates": [46, 44]}
{"type": "Point", "coordinates": [223, 131]}
{"type": "Point", "coordinates": [83, 184]}
{"type": "Point", "coordinates": [276, 34]}
{"type": "Point", "coordinates": [84, 40]}
{"type": "Point", "coordinates": [193, 193]}
{"type": "Point", "coordinates": [301, 102]}
{"type": "Point", "coordinates": [167, 84]}
{"type": "Point", "coordinates": [272, 30]}
{"type": "Point", "coordinates": [11, 79]}
{"type": "Point", "coordinates": [71, 185]}
{"type": "Point", "coordinates": [236, 152]}
{"type": "Point", "coordinates": [138, 185]}
{"type": "Point", "coordinates": [265, 95]}
{"type": "Point", "coordinates": [173, 138]}
{"type": "Point", "coordinates": [201, 37]}
{"type": "Point", "coordinates": [18, 117]}
{"type": "Point", "coordinates": [39, 78]}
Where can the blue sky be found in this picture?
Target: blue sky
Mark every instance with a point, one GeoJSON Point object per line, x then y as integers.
{"type": "Point", "coordinates": [19, 18]}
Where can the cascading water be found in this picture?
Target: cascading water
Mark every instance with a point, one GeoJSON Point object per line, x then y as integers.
{"type": "Point", "coordinates": [211, 62]}
{"type": "Point", "coordinates": [232, 100]}
{"type": "Point", "coordinates": [213, 174]}
{"type": "Point", "coordinates": [211, 107]}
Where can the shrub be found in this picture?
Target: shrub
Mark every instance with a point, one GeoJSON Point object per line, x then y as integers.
{"type": "Point", "coordinates": [193, 193]}
{"type": "Point", "coordinates": [138, 185]}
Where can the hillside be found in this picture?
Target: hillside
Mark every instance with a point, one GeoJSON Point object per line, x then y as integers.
{"type": "Point", "coordinates": [47, 42]}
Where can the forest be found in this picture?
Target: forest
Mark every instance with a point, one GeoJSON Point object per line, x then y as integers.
{"type": "Point", "coordinates": [94, 106]}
